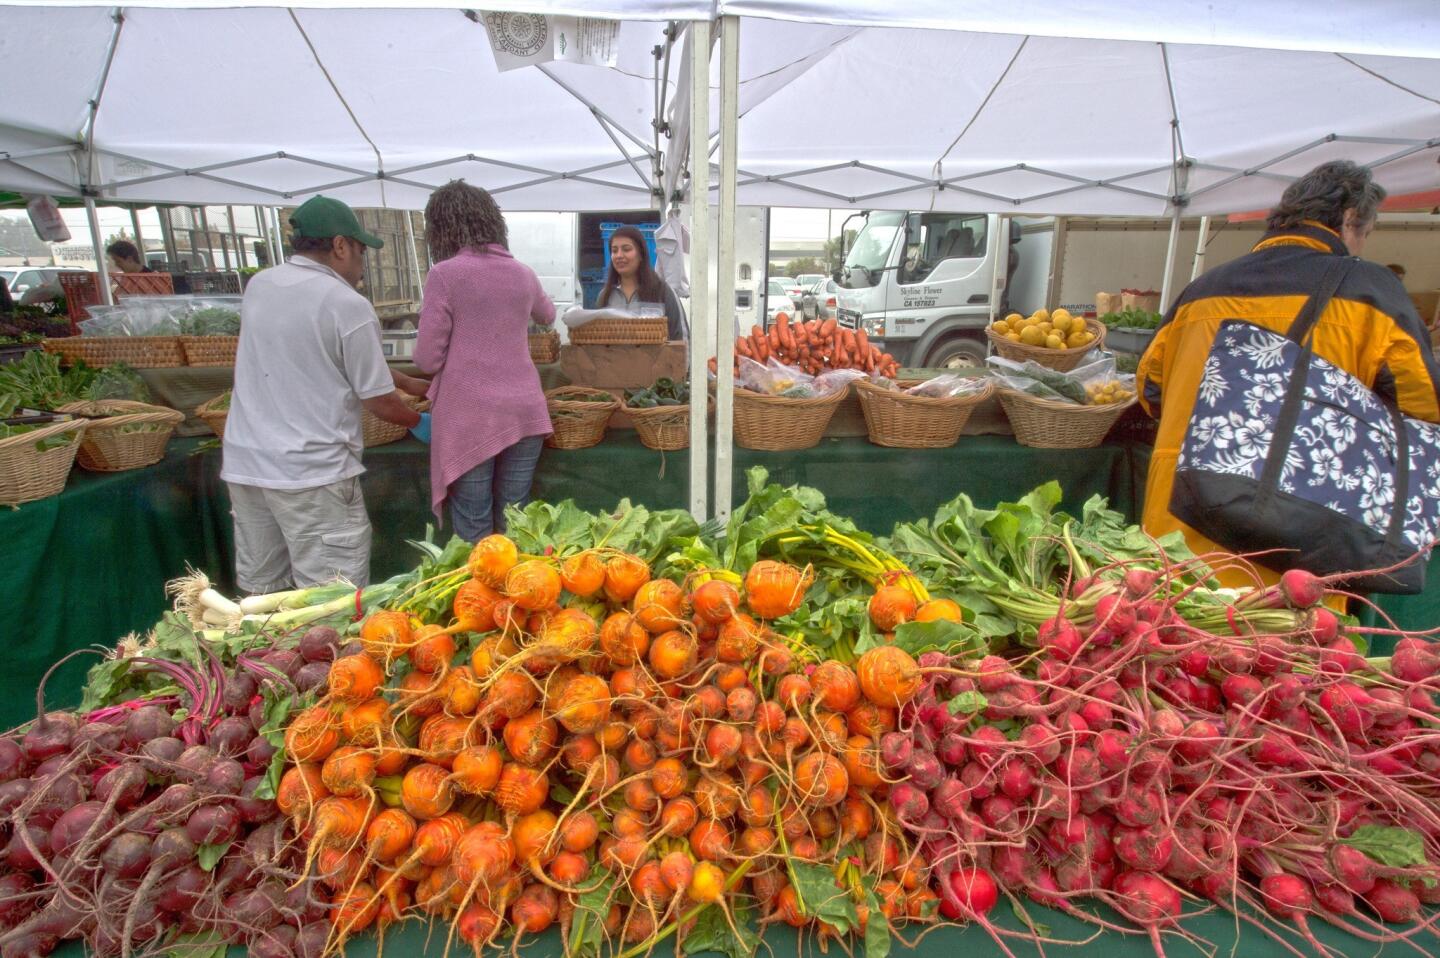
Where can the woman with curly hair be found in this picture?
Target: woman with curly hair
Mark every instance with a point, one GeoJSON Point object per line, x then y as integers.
{"type": "Point", "coordinates": [489, 417]}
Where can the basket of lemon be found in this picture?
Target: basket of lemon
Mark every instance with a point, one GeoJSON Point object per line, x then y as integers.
{"type": "Point", "coordinates": [1054, 339]}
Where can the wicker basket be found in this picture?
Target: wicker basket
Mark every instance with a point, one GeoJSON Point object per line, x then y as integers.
{"type": "Point", "coordinates": [378, 432]}
{"type": "Point", "coordinates": [209, 350]}
{"type": "Point", "coordinates": [1049, 424]}
{"type": "Point", "coordinates": [112, 442]}
{"type": "Point", "coordinates": [662, 427]}
{"type": "Point", "coordinates": [1061, 360]}
{"type": "Point", "coordinates": [544, 347]}
{"type": "Point", "coordinates": [621, 332]}
{"type": "Point", "coordinates": [26, 473]}
{"type": "Point", "coordinates": [778, 423]}
{"type": "Point", "coordinates": [904, 421]}
{"type": "Point", "coordinates": [578, 423]}
{"type": "Point", "coordinates": [142, 352]}
{"type": "Point", "coordinates": [211, 415]}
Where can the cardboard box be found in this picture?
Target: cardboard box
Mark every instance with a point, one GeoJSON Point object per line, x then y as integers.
{"type": "Point", "coordinates": [618, 368]}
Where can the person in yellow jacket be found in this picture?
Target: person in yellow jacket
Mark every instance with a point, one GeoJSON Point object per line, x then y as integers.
{"type": "Point", "coordinates": [1370, 327]}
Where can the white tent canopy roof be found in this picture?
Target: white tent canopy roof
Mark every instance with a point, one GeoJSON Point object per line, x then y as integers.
{"type": "Point", "coordinates": [266, 105]}
{"type": "Point", "coordinates": [1044, 106]}
{"type": "Point", "coordinates": [962, 120]}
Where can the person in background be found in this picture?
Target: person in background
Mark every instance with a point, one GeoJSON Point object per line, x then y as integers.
{"type": "Point", "coordinates": [488, 416]}
{"type": "Point", "coordinates": [125, 258]}
{"type": "Point", "coordinates": [1370, 327]}
{"type": "Point", "coordinates": [632, 283]}
{"type": "Point", "coordinates": [309, 361]}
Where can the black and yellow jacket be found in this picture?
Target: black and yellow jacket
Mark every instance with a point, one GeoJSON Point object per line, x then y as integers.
{"type": "Point", "coordinates": [1369, 329]}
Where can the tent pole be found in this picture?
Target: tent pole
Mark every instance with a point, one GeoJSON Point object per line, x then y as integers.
{"type": "Point", "coordinates": [725, 261]}
{"type": "Point", "coordinates": [413, 256]}
{"type": "Point", "coordinates": [262, 218]}
{"type": "Point", "coordinates": [274, 223]}
{"type": "Point", "coordinates": [998, 273]}
{"type": "Point", "coordinates": [1170, 251]}
{"type": "Point", "coordinates": [702, 305]}
{"type": "Point", "coordinates": [101, 266]}
{"type": "Point", "coordinates": [139, 240]}
{"type": "Point", "coordinates": [241, 260]}
{"type": "Point", "coordinates": [167, 237]}
{"type": "Point", "coordinates": [1200, 243]}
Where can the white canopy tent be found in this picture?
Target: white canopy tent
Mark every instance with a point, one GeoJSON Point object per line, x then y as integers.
{"type": "Point", "coordinates": [1041, 106]}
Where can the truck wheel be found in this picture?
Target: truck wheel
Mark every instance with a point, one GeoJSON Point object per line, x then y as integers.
{"type": "Point", "coordinates": [957, 352]}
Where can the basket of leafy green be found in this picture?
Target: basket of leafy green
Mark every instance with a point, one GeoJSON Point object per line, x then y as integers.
{"type": "Point", "coordinates": [213, 412]}
{"type": "Point", "coordinates": [578, 416]}
{"type": "Point", "coordinates": [210, 336]}
{"type": "Point", "coordinates": [1131, 329]}
{"type": "Point", "coordinates": [35, 460]}
{"type": "Point", "coordinates": [661, 413]}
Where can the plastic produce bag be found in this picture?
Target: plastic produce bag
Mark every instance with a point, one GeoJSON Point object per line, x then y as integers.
{"type": "Point", "coordinates": [1040, 381]}
{"type": "Point", "coordinates": [947, 386]}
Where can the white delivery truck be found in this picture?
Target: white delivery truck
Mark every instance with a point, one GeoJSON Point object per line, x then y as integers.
{"type": "Point", "coordinates": [924, 285]}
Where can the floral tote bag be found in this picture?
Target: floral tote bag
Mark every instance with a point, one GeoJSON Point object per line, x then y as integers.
{"type": "Point", "coordinates": [1287, 452]}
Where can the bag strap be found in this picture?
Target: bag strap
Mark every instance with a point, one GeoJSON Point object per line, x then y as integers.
{"type": "Point", "coordinates": [1299, 332]}
{"type": "Point", "coordinates": [1314, 307]}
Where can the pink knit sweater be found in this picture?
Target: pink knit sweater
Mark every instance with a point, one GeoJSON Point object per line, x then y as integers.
{"type": "Point", "coordinates": [486, 394]}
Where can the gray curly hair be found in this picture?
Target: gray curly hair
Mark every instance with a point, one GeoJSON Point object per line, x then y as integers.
{"type": "Point", "coordinates": [458, 215]}
{"type": "Point", "coordinates": [1325, 193]}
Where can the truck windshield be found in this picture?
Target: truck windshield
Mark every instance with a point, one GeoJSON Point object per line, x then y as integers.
{"type": "Point", "coordinates": [872, 249]}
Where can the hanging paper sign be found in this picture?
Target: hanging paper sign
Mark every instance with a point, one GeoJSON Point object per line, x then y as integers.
{"type": "Point", "coordinates": [587, 40]}
{"type": "Point", "coordinates": [520, 39]}
{"type": "Point", "coordinates": [529, 39]}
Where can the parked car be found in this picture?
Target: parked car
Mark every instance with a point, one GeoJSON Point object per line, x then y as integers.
{"type": "Point", "coordinates": [777, 300]}
{"type": "Point", "coordinates": [793, 289]}
{"type": "Point", "coordinates": [23, 279]}
{"type": "Point", "coordinates": [818, 301]}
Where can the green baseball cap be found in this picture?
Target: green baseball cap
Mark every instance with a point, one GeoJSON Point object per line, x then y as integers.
{"type": "Point", "coordinates": [320, 216]}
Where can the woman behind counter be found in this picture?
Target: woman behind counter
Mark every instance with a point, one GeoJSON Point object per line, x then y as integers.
{"type": "Point", "coordinates": [632, 283]}
{"type": "Point", "coordinates": [489, 417]}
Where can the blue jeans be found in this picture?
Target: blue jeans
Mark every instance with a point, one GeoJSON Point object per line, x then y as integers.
{"type": "Point", "coordinates": [478, 498]}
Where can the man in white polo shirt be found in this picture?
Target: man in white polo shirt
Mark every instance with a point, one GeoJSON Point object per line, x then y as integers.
{"type": "Point", "coordinates": [309, 361]}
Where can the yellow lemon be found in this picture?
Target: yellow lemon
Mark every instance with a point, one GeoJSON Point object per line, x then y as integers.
{"type": "Point", "coordinates": [1061, 323]}
{"type": "Point", "coordinates": [1031, 336]}
{"type": "Point", "coordinates": [1060, 311]}
{"type": "Point", "coordinates": [1001, 327]}
{"type": "Point", "coordinates": [1054, 341]}
{"type": "Point", "coordinates": [1040, 315]}
{"type": "Point", "coordinates": [1075, 340]}
{"type": "Point", "coordinates": [1013, 337]}
{"type": "Point", "coordinates": [1013, 318]}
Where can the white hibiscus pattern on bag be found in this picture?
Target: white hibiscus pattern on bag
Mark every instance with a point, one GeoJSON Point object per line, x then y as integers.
{"type": "Point", "coordinates": [1343, 453]}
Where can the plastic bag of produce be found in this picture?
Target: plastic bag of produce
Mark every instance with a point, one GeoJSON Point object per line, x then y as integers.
{"type": "Point", "coordinates": [774, 379]}
{"type": "Point", "coordinates": [947, 386]}
{"type": "Point", "coordinates": [211, 316]}
{"type": "Point", "coordinates": [836, 380]}
{"type": "Point", "coordinates": [105, 321]}
{"type": "Point", "coordinates": [1041, 381]}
